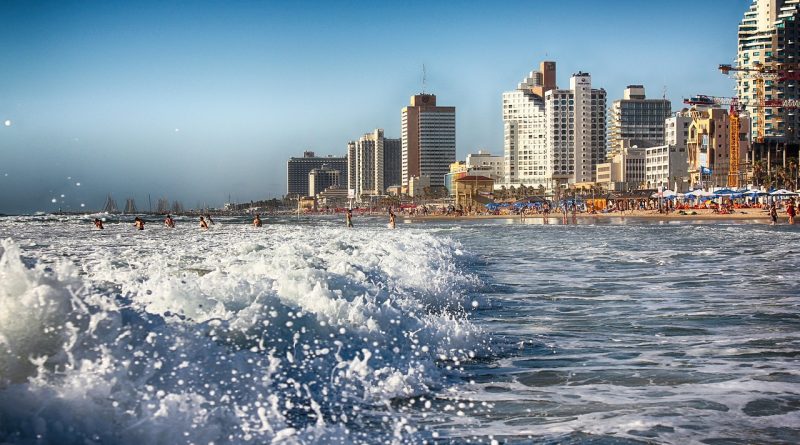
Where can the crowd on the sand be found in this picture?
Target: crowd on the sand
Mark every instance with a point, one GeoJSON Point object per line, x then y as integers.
{"type": "Point", "coordinates": [773, 209]}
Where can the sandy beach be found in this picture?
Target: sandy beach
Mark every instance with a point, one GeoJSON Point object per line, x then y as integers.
{"type": "Point", "coordinates": [756, 215]}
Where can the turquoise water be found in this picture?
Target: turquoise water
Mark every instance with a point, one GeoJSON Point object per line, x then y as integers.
{"type": "Point", "coordinates": [443, 332]}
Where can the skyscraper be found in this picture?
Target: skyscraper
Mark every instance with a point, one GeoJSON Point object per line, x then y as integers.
{"type": "Point", "coordinates": [769, 35]}
{"type": "Point", "coordinates": [525, 146]}
{"type": "Point", "coordinates": [372, 160]}
{"type": "Point", "coordinates": [576, 130]}
{"type": "Point", "coordinates": [428, 139]}
{"type": "Point", "coordinates": [553, 136]}
{"type": "Point", "coordinates": [636, 117]}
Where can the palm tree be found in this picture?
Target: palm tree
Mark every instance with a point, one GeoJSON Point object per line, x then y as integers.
{"type": "Point", "coordinates": [793, 172]}
{"type": "Point", "coordinates": [759, 175]}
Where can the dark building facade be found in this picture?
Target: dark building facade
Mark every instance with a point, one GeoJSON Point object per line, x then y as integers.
{"type": "Point", "coordinates": [392, 162]}
{"type": "Point", "coordinates": [297, 170]}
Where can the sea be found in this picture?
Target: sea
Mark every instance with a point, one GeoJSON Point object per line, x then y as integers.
{"type": "Point", "coordinates": [598, 331]}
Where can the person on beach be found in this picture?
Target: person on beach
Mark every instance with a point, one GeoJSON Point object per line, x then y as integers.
{"type": "Point", "coordinates": [391, 219]}
{"type": "Point", "coordinates": [203, 223]}
{"type": "Point", "coordinates": [773, 213]}
{"type": "Point", "coordinates": [138, 223]}
{"type": "Point", "coordinates": [791, 210]}
{"type": "Point", "coordinates": [348, 218]}
{"type": "Point", "coordinates": [169, 222]}
{"type": "Point", "coordinates": [257, 221]}
{"type": "Point", "coordinates": [98, 224]}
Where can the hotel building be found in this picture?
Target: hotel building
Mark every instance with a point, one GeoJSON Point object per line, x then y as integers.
{"type": "Point", "coordinates": [371, 160]}
{"type": "Point", "coordinates": [298, 169]}
{"type": "Point", "coordinates": [428, 140]}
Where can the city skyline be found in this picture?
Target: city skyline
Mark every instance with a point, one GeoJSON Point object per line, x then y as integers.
{"type": "Point", "coordinates": [196, 102]}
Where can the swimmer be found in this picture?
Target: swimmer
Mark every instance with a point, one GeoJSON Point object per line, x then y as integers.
{"type": "Point", "coordinates": [391, 219]}
{"type": "Point", "coordinates": [208, 218]}
{"type": "Point", "coordinates": [169, 222]}
{"type": "Point", "coordinates": [98, 224]}
{"type": "Point", "coordinates": [138, 223]}
{"type": "Point", "coordinates": [203, 223]}
{"type": "Point", "coordinates": [257, 221]}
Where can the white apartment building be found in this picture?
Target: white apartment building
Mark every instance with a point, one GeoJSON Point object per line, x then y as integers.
{"type": "Point", "coordinates": [486, 164]}
{"type": "Point", "coordinates": [576, 130]}
{"type": "Point", "coordinates": [676, 129]}
{"type": "Point", "coordinates": [667, 166]}
{"type": "Point", "coordinates": [366, 166]}
{"type": "Point", "coordinates": [526, 154]}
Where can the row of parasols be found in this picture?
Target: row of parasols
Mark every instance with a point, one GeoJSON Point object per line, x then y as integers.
{"type": "Point", "coordinates": [725, 193]}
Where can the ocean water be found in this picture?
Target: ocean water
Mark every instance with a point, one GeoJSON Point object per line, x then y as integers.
{"type": "Point", "coordinates": [304, 332]}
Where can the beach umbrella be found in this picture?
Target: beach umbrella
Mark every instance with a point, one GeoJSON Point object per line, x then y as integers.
{"type": "Point", "coordinates": [728, 193]}
{"type": "Point", "coordinates": [783, 192]}
{"type": "Point", "coordinates": [668, 194]}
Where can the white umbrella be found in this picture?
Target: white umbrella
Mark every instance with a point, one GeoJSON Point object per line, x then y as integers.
{"type": "Point", "coordinates": [783, 192]}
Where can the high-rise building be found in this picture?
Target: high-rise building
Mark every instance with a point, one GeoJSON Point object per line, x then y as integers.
{"type": "Point", "coordinates": [371, 160]}
{"type": "Point", "coordinates": [320, 179]}
{"type": "Point", "coordinates": [553, 136]}
{"type": "Point", "coordinates": [525, 149]}
{"type": "Point", "coordinates": [636, 117]}
{"type": "Point", "coordinates": [392, 162]}
{"type": "Point", "coordinates": [769, 35]}
{"type": "Point", "coordinates": [428, 140]}
{"type": "Point", "coordinates": [576, 130]}
{"type": "Point", "coordinates": [297, 170]}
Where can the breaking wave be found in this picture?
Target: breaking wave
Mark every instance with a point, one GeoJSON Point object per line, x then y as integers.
{"type": "Point", "coordinates": [287, 335]}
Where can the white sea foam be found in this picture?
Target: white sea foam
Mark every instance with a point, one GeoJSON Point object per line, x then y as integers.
{"type": "Point", "coordinates": [287, 334]}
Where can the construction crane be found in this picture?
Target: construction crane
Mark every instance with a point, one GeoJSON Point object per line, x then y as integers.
{"type": "Point", "coordinates": [734, 126]}
{"type": "Point", "coordinates": [760, 74]}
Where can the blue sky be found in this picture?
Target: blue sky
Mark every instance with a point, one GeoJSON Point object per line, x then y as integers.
{"type": "Point", "coordinates": [198, 100]}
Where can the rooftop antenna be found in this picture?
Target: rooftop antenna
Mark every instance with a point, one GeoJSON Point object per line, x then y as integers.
{"type": "Point", "coordinates": [664, 92]}
{"type": "Point", "coordinates": [424, 78]}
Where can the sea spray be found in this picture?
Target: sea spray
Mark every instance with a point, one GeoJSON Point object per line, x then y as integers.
{"type": "Point", "coordinates": [297, 336]}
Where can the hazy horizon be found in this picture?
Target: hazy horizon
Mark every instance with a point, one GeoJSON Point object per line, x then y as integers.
{"type": "Point", "coordinates": [198, 101]}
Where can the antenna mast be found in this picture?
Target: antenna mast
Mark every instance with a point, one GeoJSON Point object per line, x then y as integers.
{"type": "Point", "coordinates": [424, 78]}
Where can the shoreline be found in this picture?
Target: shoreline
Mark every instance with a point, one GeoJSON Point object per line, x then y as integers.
{"type": "Point", "coordinates": [754, 215]}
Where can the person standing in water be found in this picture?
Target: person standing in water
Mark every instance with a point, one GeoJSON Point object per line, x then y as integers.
{"type": "Point", "coordinates": [169, 222]}
{"type": "Point", "coordinates": [773, 213]}
{"type": "Point", "coordinates": [392, 219]}
{"type": "Point", "coordinates": [98, 224]}
{"type": "Point", "coordinates": [257, 221]}
{"type": "Point", "coordinates": [791, 210]}
{"type": "Point", "coordinates": [210, 221]}
{"type": "Point", "coordinates": [138, 223]}
{"type": "Point", "coordinates": [348, 217]}
{"type": "Point", "coordinates": [203, 223]}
